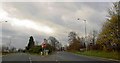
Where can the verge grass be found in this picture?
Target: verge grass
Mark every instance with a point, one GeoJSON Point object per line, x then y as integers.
{"type": "Point", "coordinates": [109, 55]}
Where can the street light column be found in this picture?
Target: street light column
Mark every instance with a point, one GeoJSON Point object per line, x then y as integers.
{"type": "Point", "coordinates": [85, 32]}
{"type": "Point", "coordinates": [85, 28]}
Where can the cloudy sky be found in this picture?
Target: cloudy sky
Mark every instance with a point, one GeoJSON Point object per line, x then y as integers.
{"type": "Point", "coordinates": [44, 19]}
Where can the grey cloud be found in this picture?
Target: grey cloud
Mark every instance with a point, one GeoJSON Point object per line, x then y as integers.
{"type": "Point", "coordinates": [51, 14]}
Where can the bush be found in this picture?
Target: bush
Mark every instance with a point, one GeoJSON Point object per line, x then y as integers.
{"type": "Point", "coordinates": [36, 49]}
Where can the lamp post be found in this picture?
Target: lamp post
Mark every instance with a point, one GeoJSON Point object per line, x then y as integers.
{"type": "Point", "coordinates": [2, 21]}
{"type": "Point", "coordinates": [85, 31]}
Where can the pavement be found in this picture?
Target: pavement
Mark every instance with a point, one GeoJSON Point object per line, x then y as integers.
{"type": "Point", "coordinates": [58, 57]}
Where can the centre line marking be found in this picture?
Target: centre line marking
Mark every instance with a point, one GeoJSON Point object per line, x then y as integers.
{"type": "Point", "coordinates": [30, 60]}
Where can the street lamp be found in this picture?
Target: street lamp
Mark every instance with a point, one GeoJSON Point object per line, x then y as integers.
{"type": "Point", "coordinates": [3, 21]}
{"type": "Point", "coordinates": [85, 30]}
{"type": "Point", "coordinates": [85, 24]}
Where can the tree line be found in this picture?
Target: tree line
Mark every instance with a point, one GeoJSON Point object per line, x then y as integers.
{"type": "Point", "coordinates": [51, 44]}
{"type": "Point", "coordinates": [108, 38]}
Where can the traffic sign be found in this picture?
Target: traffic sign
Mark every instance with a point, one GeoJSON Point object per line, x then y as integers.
{"type": "Point", "coordinates": [43, 45]}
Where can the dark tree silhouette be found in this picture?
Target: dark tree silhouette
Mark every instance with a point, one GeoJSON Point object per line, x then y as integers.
{"type": "Point", "coordinates": [31, 43]}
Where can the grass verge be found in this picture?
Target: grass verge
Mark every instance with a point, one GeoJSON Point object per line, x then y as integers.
{"type": "Point", "coordinates": [103, 54]}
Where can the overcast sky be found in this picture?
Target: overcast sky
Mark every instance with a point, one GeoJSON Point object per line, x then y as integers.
{"type": "Point", "coordinates": [42, 20]}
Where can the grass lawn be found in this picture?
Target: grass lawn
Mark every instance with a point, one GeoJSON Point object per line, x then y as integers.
{"type": "Point", "coordinates": [110, 55]}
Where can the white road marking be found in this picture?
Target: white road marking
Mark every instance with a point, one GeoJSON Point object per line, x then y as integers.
{"type": "Point", "coordinates": [30, 60]}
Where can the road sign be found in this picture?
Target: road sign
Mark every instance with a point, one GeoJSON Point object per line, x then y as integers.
{"type": "Point", "coordinates": [43, 45]}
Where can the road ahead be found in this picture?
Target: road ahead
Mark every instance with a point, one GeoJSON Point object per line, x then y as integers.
{"type": "Point", "coordinates": [58, 57]}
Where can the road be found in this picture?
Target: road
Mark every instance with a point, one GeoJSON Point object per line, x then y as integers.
{"type": "Point", "coordinates": [58, 57]}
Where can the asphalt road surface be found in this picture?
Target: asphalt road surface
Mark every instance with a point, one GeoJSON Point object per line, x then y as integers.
{"type": "Point", "coordinates": [58, 57]}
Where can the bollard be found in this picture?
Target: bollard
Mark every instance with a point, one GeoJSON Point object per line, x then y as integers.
{"type": "Point", "coordinates": [41, 53]}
